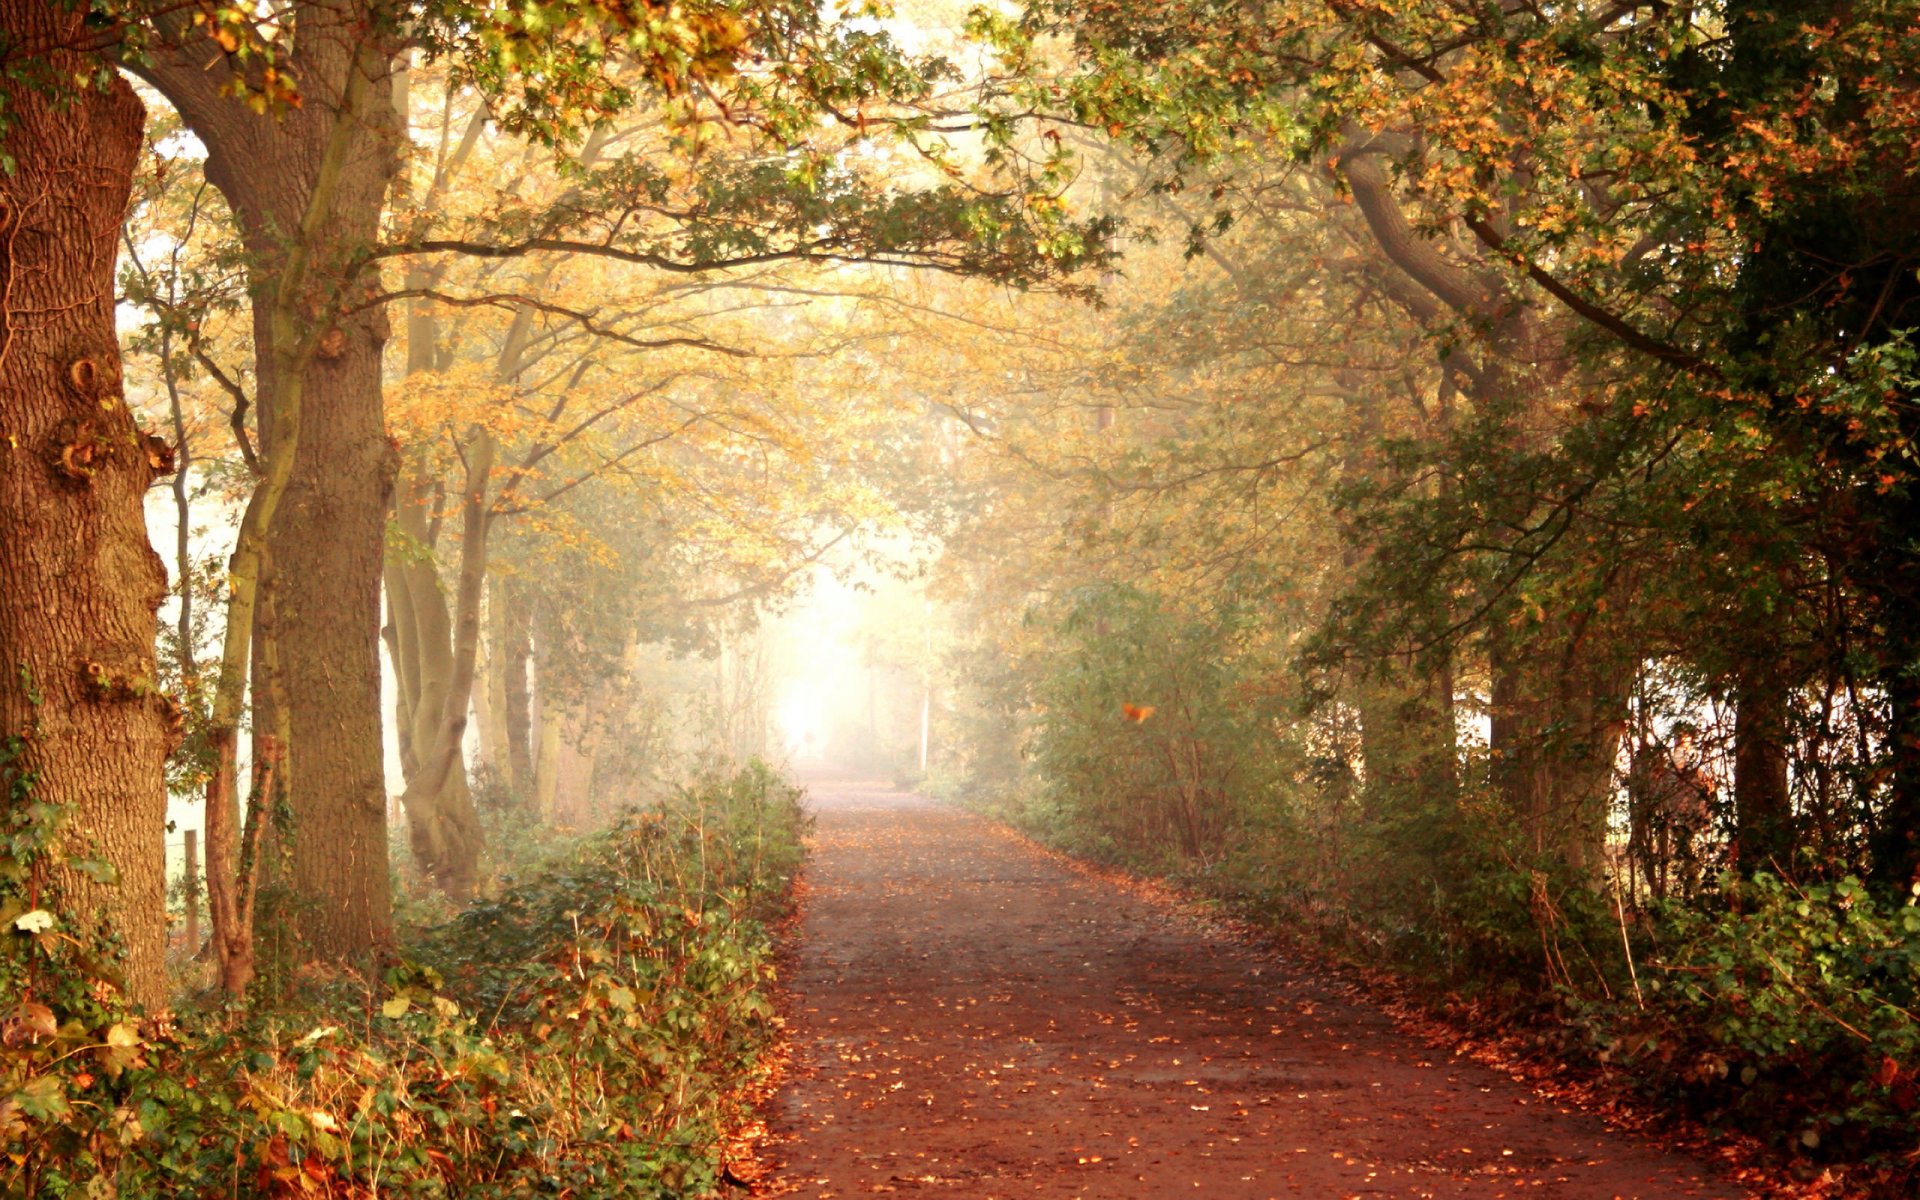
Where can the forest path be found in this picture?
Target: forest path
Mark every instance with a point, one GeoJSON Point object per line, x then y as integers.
{"type": "Point", "coordinates": [973, 1019]}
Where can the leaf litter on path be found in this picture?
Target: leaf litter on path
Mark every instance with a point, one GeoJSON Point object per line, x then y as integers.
{"type": "Point", "coordinates": [973, 1017]}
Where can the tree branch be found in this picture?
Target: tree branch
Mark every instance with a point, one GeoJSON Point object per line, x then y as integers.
{"type": "Point", "coordinates": [520, 300]}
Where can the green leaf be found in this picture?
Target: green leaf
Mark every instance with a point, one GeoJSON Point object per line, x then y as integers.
{"type": "Point", "coordinates": [43, 1099]}
{"type": "Point", "coordinates": [97, 869]}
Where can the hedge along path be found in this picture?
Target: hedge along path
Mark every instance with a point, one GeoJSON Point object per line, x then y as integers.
{"type": "Point", "coordinates": [971, 1018]}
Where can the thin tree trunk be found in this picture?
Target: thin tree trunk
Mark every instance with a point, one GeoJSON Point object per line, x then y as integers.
{"type": "Point", "coordinates": [442, 826]}
{"type": "Point", "coordinates": [78, 709]}
{"type": "Point", "coordinates": [546, 767]}
{"type": "Point", "coordinates": [517, 699]}
{"type": "Point", "coordinates": [489, 691]}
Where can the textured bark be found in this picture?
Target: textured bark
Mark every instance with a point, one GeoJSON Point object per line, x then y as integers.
{"type": "Point", "coordinates": [231, 893]}
{"type": "Point", "coordinates": [326, 539]}
{"type": "Point", "coordinates": [81, 583]}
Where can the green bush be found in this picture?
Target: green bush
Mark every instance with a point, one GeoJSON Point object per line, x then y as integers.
{"type": "Point", "coordinates": [1154, 735]}
{"type": "Point", "coordinates": [587, 1033]}
{"type": "Point", "coordinates": [1794, 1012]}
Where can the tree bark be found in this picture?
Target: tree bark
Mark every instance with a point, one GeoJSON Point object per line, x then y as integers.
{"type": "Point", "coordinates": [489, 691]}
{"type": "Point", "coordinates": [78, 711]}
{"type": "Point", "coordinates": [326, 540]}
{"type": "Point", "coordinates": [1762, 803]}
{"type": "Point", "coordinates": [1555, 735]}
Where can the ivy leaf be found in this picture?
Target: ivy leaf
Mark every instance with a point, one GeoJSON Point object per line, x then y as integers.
{"type": "Point", "coordinates": [96, 869]}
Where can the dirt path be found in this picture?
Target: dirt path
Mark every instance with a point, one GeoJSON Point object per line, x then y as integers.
{"type": "Point", "coordinates": [972, 1019]}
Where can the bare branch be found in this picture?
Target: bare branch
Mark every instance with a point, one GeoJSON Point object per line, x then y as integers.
{"type": "Point", "coordinates": [520, 300]}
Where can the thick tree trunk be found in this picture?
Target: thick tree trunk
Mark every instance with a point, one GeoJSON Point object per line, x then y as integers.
{"type": "Point", "coordinates": [576, 756]}
{"type": "Point", "coordinates": [1554, 738]}
{"type": "Point", "coordinates": [327, 552]}
{"type": "Point", "coordinates": [1896, 583]}
{"type": "Point", "coordinates": [81, 583]}
{"type": "Point", "coordinates": [326, 539]}
{"type": "Point", "coordinates": [1581, 776]}
{"type": "Point", "coordinates": [1762, 803]}
{"type": "Point", "coordinates": [1513, 742]}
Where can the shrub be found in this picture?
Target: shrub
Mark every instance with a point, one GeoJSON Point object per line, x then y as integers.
{"type": "Point", "coordinates": [1793, 1013]}
{"type": "Point", "coordinates": [1154, 731]}
{"type": "Point", "coordinates": [587, 1032]}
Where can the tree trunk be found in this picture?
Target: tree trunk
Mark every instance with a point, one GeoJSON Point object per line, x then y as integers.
{"type": "Point", "coordinates": [1513, 741]}
{"type": "Point", "coordinates": [1762, 803]}
{"type": "Point", "coordinates": [517, 699]}
{"type": "Point", "coordinates": [78, 710]}
{"type": "Point", "coordinates": [490, 692]}
{"type": "Point", "coordinates": [443, 829]}
{"type": "Point", "coordinates": [546, 766]}
{"type": "Point", "coordinates": [1896, 841]}
{"type": "Point", "coordinates": [326, 540]}
{"type": "Point", "coordinates": [1555, 735]}
{"type": "Point", "coordinates": [1581, 776]}
{"type": "Point", "coordinates": [575, 758]}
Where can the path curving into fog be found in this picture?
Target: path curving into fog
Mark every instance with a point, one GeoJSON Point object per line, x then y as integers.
{"type": "Point", "coordinates": [973, 1019]}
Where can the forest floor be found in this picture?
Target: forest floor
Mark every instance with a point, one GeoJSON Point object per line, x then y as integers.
{"type": "Point", "coordinates": [972, 1017]}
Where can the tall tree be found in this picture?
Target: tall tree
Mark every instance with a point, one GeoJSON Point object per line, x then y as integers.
{"type": "Point", "coordinates": [84, 731]}
{"type": "Point", "coordinates": [306, 183]}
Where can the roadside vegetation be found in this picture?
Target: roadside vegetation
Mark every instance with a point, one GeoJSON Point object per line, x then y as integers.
{"type": "Point", "coordinates": [1442, 475]}
{"type": "Point", "coordinates": [591, 1028]}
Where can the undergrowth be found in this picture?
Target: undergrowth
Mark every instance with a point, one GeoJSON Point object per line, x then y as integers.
{"type": "Point", "coordinates": [587, 1032]}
